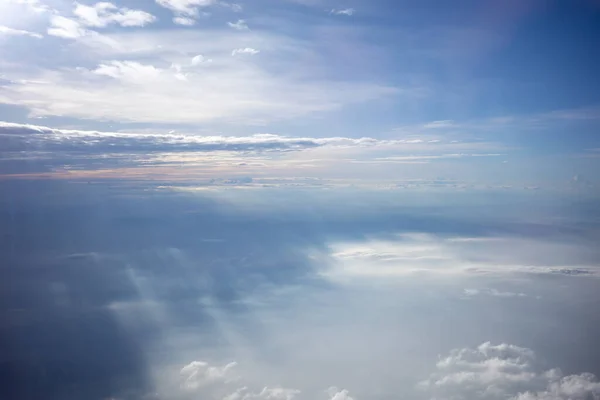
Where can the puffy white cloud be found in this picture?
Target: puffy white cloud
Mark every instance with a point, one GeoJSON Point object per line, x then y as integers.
{"type": "Point", "coordinates": [494, 372]}
{"type": "Point", "coordinates": [66, 28]}
{"type": "Point", "coordinates": [245, 50]}
{"type": "Point", "coordinates": [338, 394]}
{"type": "Point", "coordinates": [103, 14]}
{"type": "Point", "coordinates": [99, 15]}
{"type": "Point", "coordinates": [198, 374]}
{"type": "Point", "coordinates": [240, 25]}
{"type": "Point", "coordinates": [5, 30]}
{"type": "Point", "coordinates": [200, 59]}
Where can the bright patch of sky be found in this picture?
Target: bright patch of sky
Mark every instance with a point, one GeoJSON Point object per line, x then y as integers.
{"type": "Point", "coordinates": [520, 75]}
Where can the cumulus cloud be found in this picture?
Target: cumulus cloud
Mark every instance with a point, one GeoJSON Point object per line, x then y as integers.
{"type": "Point", "coordinates": [221, 383]}
{"type": "Point", "coordinates": [246, 50]}
{"type": "Point", "coordinates": [66, 27]}
{"type": "Point", "coordinates": [240, 25]}
{"type": "Point", "coordinates": [5, 30]}
{"type": "Point", "coordinates": [103, 14]}
{"type": "Point", "coordinates": [504, 371]}
{"type": "Point", "coordinates": [338, 394]}
{"type": "Point", "coordinates": [200, 59]}
{"type": "Point", "coordinates": [199, 374]}
{"type": "Point", "coordinates": [99, 15]}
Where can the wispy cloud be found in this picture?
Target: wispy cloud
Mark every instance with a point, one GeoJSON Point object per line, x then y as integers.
{"type": "Point", "coordinates": [185, 11]}
{"type": "Point", "coordinates": [245, 50]}
{"type": "Point", "coordinates": [5, 30]}
{"type": "Point", "coordinates": [343, 11]}
{"type": "Point", "coordinates": [240, 25]}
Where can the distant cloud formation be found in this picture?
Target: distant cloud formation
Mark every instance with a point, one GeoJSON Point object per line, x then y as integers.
{"type": "Point", "coordinates": [103, 14]}
{"type": "Point", "coordinates": [343, 11]}
{"type": "Point", "coordinates": [491, 292]}
{"type": "Point", "coordinates": [99, 15]}
{"type": "Point", "coordinates": [5, 30]}
{"type": "Point", "coordinates": [185, 11]}
{"type": "Point", "coordinates": [245, 50]}
{"type": "Point", "coordinates": [240, 25]}
{"type": "Point", "coordinates": [222, 383]}
{"type": "Point", "coordinates": [504, 371]}
{"type": "Point", "coordinates": [199, 374]}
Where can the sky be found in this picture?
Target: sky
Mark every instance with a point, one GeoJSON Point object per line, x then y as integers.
{"type": "Point", "coordinates": [299, 200]}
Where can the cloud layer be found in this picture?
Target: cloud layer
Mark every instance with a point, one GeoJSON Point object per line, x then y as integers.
{"type": "Point", "coordinates": [504, 371]}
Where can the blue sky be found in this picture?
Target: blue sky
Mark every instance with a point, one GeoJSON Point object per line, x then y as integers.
{"type": "Point", "coordinates": [328, 68]}
{"type": "Point", "coordinates": [497, 93]}
{"type": "Point", "coordinates": [299, 200]}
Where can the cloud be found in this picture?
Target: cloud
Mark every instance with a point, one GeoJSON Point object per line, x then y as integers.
{"type": "Point", "coordinates": [103, 14]}
{"type": "Point", "coordinates": [34, 5]}
{"type": "Point", "coordinates": [491, 292]}
{"type": "Point", "coordinates": [418, 253]}
{"type": "Point", "coordinates": [504, 371]}
{"type": "Point", "coordinates": [234, 91]}
{"type": "Point", "coordinates": [345, 11]}
{"type": "Point", "coordinates": [338, 394]}
{"type": "Point", "coordinates": [267, 393]}
{"type": "Point", "coordinates": [246, 50]}
{"type": "Point", "coordinates": [128, 71]}
{"type": "Point", "coordinates": [185, 10]}
{"type": "Point", "coordinates": [240, 25]}
{"type": "Point", "coordinates": [235, 7]}
{"type": "Point", "coordinates": [66, 28]}
{"type": "Point", "coordinates": [5, 30]}
{"type": "Point", "coordinates": [200, 59]}
{"type": "Point", "coordinates": [99, 15]}
{"type": "Point", "coordinates": [185, 21]}
{"type": "Point", "coordinates": [199, 374]}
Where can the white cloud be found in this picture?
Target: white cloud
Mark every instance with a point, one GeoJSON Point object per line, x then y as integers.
{"type": "Point", "coordinates": [185, 10]}
{"type": "Point", "coordinates": [491, 292]}
{"type": "Point", "coordinates": [499, 372]}
{"type": "Point", "coordinates": [338, 394]}
{"type": "Point", "coordinates": [235, 90]}
{"type": "Point", "coordinates": [33, 5]}
{"type": "Point", "coordinates": [200, 59]}
{"type": "Point", "coordinates": [5, 30]}
{"type": "Point", "coordinates": [185, 21]}
{"type": "Point", "coordinates": [128, 71]}
{"type": "Point", "coordinates": [66, 28]}
{"type": "Point", "coordinates": [198, 374]}
{"type": "Point", "coordinates": [345, 11]}
{"type": "Point", "coordinates": [103, 14]}
{"type": "Point", "coordinates": [245, 50]}
{"type": "Point", "coordinates": [235, 7]}
{"type": "Point", "coordinates": [240, 25]}
{"type": "Point", "coordinates": [439, 124]}
{"type": "Point", "coordinates": [417, 253]}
